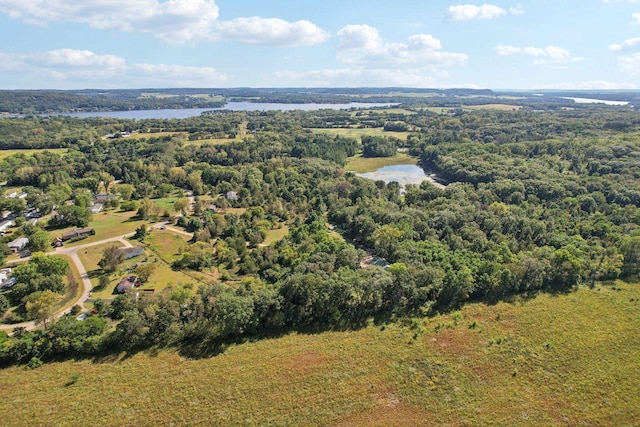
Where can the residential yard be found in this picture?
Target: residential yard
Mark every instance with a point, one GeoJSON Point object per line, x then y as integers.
{"type": "Point", "coordinates": [90, 258]}
{"type": "Point", "coordinates": [361, 164]}
{"type": "Point", "coordinates": [107, 224]}
{"type": "Point", "coordinates": [552, 360]}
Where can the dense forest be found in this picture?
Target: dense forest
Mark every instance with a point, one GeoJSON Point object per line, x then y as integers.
{"type": "Point", "coordinates": [536, 201]}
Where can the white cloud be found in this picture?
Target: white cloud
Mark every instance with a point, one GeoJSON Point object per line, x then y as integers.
{"type": "Point", "coordinates": [81, 68]}
{"type": "Point", "coordinates": [71, 58]}
{"type": "Point", "coordinates": [372, 61]}
{"type": "Point", "coordinates": [636, 18]}
{"type": "Point", "coordinates": [359, 37]}
{"type": "Point", "coordinates": [625, 46]}
{"type": "Point", "coordinates": [630, 64]}
{"type": "Point", "coordinates": [549, 55]}
{"type": "Point", "coordinates": [361, 45]}
{"type": "Point", "coordinates": [174, 21]}
{"type": "Point", "coordinates": [272, 31]}
{"type": "Point", "coordinates": [468, 12]}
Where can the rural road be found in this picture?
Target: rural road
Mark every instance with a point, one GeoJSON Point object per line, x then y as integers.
{"type": "Point", "coordinates": [72, 253]}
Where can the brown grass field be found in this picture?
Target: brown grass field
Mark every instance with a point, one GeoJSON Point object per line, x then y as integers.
{"type": "Point", "coordinates": [553, 360]}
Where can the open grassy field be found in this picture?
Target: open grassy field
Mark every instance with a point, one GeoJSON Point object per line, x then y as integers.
{"type": "Point", "coordinates": [167, 244]}
{"type": "Point", "coordinates": [361, 164]}
{"type": "Point", "coordinates": [554, 360]}
{"type": "Point", "coordinates": [141, 135]}
{"type": "Point", "coordinates": [500, 107]}
{"type": "Point", "coordinates": [276, 235]}
{"type": "Point", "coordinates": [384, 111]}
{"type": "Point", "coordinates": [359, 133]}
{"type": "Point", "coordinates": [29, 152]}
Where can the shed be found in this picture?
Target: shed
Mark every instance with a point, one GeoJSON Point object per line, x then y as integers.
{"type": "Point", "coordinates": [19, 244]}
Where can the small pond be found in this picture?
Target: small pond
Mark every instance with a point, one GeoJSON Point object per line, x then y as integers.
{"type": "Point", "coordinates": [403, 175]}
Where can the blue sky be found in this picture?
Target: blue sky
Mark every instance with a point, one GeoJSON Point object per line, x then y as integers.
{"type": "Point", "coordinates": [529, 44]}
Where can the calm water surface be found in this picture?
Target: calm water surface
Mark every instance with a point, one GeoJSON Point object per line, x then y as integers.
{"type": "Point", "coordinates": [231, 106]}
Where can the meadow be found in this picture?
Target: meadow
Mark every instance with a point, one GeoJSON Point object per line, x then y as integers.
{"type": "Point", "coordinates": [358, 133]}
{"type": "Point", "coordinates": [30, 151]}
{"type": "Point", "coordinates": [555, 359]}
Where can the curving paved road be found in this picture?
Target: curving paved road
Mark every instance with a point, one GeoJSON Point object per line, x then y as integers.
{"type": "Point", "coordinates": [84, 275]}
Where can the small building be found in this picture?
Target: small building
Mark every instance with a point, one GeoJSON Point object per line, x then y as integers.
{"type": "Point", "coordinates": [18, 245]}
{"type": "Point", "coordinates": [97, 208]}
{"type": "Point", "coordinates": [78, 233]}
{"type": "Point", "coordinates": [5, 273]}
{"type": "Point", "coordinates": [57, 243]}
{"type": "Point", "coordinates": [132, 252]}
{"type": "Point", "coordinates": [6, 224]}
{"type": "Point", "coordinates": [232, 196]}
{"type": "Point", "coordinates": [127, 283]}
{"type": "Point", "coordinates": [212, 208]}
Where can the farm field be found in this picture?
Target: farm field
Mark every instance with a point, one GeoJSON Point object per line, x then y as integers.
{"type": "Point", "coordinates": [361, 164]}
{"type": "Point", "coordinates": [360, 132]}
{"type": "Point", "coordinates": [29, 152]}
{"type": "Point", "coordinates": [555, 359]}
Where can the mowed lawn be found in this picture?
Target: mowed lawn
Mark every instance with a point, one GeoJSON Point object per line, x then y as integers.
{"type": "Point", "coordinates": [162, 277]}
{"type": "Point", "coordinates": [107, 224]}
{"type": "Point", "coordinates": [29, 152]}
{"type": "Point", "coordinates": [361, 164]}
{"type": "Point", "coordinates": [553, 360]}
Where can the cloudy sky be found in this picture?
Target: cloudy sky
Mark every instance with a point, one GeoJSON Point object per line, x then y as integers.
{"type": "Point", "coordinates": [528, 44]}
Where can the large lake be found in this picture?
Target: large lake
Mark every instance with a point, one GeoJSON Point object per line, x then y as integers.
{"type": "Point", "coordinates": [595, 101]}
{"type": "Point", "coordinates": [231, 106]}
{"type": "Point", "coordinates": [402, 174]}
